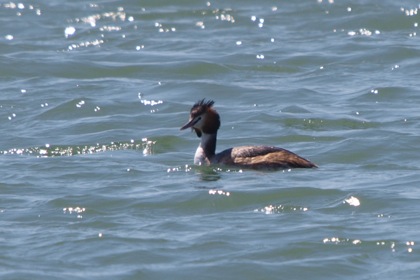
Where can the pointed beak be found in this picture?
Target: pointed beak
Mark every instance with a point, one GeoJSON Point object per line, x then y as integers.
{"type": "Point", "coordinates": [191, 123]}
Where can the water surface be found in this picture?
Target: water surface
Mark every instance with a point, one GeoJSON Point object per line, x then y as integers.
{"type": "Point", "coordinates": [98, 182]}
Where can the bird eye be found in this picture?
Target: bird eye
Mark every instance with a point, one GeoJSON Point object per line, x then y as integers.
{"type": "Point", "coordinates": [196, 120]}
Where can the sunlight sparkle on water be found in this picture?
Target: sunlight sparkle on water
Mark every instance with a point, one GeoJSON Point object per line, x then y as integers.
{"type": "Point", "coordinates": [396, 66]}
{"type": "Point", "coordinates": [110, 28]}
{"type": "Point", "coordinates": [147, 146]}
{"type": "Point", "coordinates": [352, 201]}
{"type": "Point", "coordinates": [410, 12]}
{"type": "Point", "coordinates": [363, 32]}
{"type": "Point", "coordinates": [69, 31]}
{"type": "Point", "coordinates": [226, 17]}
{"type": "Point", "coordinates": [187, 168]}
{"type": "Point", "coordinates": [80, 103]}
{"type": "Point", "coordinates": [147, 102]}
{"type": "Point", "coordinates": [219, 192]}
{"type": "Point", "coordinates": [85, 44]}
{"type": "Point", "coordinates": [410, 245]}
{"type": "Point", "coordinates": [200, 24]}
{"type": "Point", "coordinates": [77, 210]}
{"type": "Point", "coordinates": [12, 116]}
{"type": "Point", "coordinates": [337, 240]}
{"type": "Point", "coordinates": [392, 245]}
{"type": "Point", "coordinates": [92, 19]}
{"type": "Point", "coordinates": [52, 151]}
{"type": "Point", "coordinates": [275, 209]}
{"type": "Point", "coordinates": [20, 6]}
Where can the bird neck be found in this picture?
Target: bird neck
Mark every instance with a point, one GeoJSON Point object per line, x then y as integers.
{"type": "Point", "coordinates": [207, 149]}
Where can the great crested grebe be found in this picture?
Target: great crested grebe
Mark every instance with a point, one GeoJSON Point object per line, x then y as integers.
{"type": "Point", "coordinates": [205, 121]}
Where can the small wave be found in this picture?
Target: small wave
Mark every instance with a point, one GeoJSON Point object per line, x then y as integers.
{"type": "Point", "coordinates": [48, 150]}
{"type": "Point", "coordinates": [278, 209]}
{"type": "Point", "coordinates": [393, 245]}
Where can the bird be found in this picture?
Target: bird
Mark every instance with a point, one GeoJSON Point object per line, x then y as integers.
{"type": "Point", "coordinates": [205, 122]}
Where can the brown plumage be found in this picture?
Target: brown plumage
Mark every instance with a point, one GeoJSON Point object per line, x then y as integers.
{"type": "Point", "coordinates": [205, 121]}
{"type": "Point", "coordinates": [263, 157]}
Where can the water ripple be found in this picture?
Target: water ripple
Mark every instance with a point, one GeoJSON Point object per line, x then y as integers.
{"type": "Point", "coordinates": [145, 145]}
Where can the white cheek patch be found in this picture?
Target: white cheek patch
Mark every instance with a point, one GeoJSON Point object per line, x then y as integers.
{"type": "Point", "coordinates": [198, 123]}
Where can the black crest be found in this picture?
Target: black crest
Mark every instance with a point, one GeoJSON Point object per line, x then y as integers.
{"type": "Point", "coordinates": [204, 102]}
{"type": "Point", "coordinates": [201, 107]}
